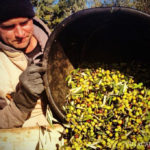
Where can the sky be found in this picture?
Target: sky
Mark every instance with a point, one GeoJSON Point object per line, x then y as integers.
{"type": "Point", "coordinates": [90, 1]}
{"type": "Point", "coordinates": [108, 1]}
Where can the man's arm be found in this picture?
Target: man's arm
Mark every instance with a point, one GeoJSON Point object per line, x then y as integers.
{"type": "Point", "coordinates": [24, 100]}
{"type": "Point", "coordinates": [11, 116]}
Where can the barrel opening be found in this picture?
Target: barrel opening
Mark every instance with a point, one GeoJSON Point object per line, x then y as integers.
{"type": "Point", "coordinates": [98, 35]}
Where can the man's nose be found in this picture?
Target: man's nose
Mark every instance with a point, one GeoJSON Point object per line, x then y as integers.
{"type": "Point", "coordinates": [19, 32]}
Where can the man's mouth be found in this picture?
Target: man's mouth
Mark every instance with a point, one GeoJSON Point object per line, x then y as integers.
{"type": "Point", "coordinates": [21, 40]}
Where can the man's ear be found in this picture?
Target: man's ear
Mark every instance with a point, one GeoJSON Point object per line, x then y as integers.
{"type": "Point", "coordinates": [0, 33]}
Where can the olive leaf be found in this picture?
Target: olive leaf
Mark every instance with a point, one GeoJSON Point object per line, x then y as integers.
{"type": "Point", "coordinates": [44, 139]}
{"type": "Point", "coordinates": [122, 89]}
{"type": "Point", "coordinates": [87, 117]}
{"type": "Point", "coordinates": [135, 86]}
{"type": "Point", "coordinates": [114, 145]}
{"type": "Point", "coordinates": [110, 99]}
{"type": "Point", "coordinates": [148, 118]}
{"type": "Point", "coordinates": [104, 101]}
{"type": "Point", "coordinates": [49, 117]}
{"type": "Point", "coordinates": [93, 145]}
{"type": "Point", "coordinates": [76, 90]}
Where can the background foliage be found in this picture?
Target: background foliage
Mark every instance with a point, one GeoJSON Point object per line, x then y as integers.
{"type": "Point", "coordinates": [52, 12]}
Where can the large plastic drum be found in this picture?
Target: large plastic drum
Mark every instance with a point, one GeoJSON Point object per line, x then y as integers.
{"type": "Point", "coordinates": [105, 35]}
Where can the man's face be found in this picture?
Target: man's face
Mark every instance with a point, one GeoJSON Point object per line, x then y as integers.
{"type": "Point", "coordinates": [17, 32]}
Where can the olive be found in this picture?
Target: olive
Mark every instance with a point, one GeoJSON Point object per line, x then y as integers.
{"type": "Point", "coordinates": [106, 108]}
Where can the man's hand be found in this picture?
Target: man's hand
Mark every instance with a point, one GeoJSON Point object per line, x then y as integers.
{"type": "Point", "coordinates": [30, 89]}
{"type": "Point", "coordinates": [31, 80]}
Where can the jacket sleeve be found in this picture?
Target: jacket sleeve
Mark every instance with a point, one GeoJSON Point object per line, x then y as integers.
{"type": "Point", "coordinates": [11, 116]}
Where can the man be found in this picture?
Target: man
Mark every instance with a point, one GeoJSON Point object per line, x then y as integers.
{"type": "Point", "coordinates": [22, 41]}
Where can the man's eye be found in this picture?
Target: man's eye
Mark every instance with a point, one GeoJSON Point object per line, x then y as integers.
{"type": "Point", "coordinates": [7, 27]}
{"type": "Point", "coordinates": [24, 23]}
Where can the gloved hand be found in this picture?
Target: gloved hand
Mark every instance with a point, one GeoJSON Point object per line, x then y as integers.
{"type": "Point", "coordinates": [30, 88]}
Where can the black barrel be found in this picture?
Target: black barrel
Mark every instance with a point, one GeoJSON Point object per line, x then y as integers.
{"type": "Point", "coordinates": [107, 35]}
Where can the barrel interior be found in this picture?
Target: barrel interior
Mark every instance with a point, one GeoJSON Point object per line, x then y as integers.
{"type": "Point", "coordinates": [100, 35]}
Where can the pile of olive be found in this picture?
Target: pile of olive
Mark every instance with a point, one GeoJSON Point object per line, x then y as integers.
{"type": "Point", "coordinates": [107, 109]}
